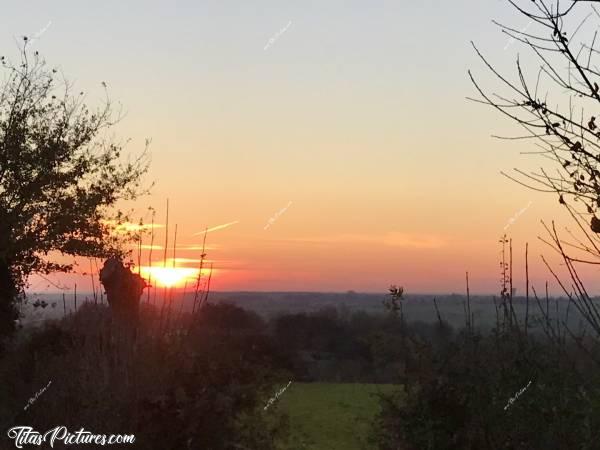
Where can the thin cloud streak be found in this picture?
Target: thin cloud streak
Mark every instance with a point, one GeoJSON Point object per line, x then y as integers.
{"type": "Point", "coordinates": [218, 227]}
{"type": "Point", "coordinates": [129, 227]}
{"type": "Point", "coordinates": [179, 248]}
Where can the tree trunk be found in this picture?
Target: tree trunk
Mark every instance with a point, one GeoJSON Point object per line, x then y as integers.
{"type": "Point", "coordinates": [123, 290]}
{"type": "Point", "coordinates": [8, 296]}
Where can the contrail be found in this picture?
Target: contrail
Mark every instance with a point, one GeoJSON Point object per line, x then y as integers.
{"type": "Point", "coordinates": [218, 227]}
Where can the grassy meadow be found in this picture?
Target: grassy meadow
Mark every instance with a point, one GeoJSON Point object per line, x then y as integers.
{"type": "Point", "coordinates": [327, 416]}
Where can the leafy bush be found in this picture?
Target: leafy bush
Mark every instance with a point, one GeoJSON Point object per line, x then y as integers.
{"type": "Point", "coordinates": [457, 397]}
{"type": "Point", "coordinates": [201, 384]}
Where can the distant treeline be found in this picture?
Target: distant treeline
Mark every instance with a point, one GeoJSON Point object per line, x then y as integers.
{"type": "Point", "coordinates": [269, 305]}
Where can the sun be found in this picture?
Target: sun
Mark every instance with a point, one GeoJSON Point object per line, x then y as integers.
{"type": "Point", "coordinates": [169, 276]}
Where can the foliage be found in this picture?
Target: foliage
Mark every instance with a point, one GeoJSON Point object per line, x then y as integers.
{"type": "Point", "coordinates": [203, 385]}
{"type": "Point", "coordinates": [457, 398]}
{"type": "Point", "coordinates": [556, 105]}
{"type": "Point", "coordinates": [361, 347]}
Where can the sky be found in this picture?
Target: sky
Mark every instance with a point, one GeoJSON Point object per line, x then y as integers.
{"type": "Point", "coordinates": [334, 137]}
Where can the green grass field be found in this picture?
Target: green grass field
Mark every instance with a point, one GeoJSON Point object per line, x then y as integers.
{"type": "Point", "coordinates": [330, 416]}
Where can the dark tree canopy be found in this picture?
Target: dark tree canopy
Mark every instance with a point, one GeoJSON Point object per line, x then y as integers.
{"type": "Point", "coordinates": [59, 176]}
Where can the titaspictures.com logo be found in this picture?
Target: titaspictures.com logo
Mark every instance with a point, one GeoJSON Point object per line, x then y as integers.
{"type": "Point", "coordinates": [23, 435]}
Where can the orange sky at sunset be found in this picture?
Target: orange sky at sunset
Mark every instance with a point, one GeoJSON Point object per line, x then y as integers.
{"type": "Point", "coordinates": [388, 173]}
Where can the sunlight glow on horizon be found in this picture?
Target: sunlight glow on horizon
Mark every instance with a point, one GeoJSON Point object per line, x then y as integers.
{"type": "Point", "coordinates": [127, 227]}
{"type": "Point", "coordinates": [170, 276]}
{"type": "Point", "coordinates": [384, 191]}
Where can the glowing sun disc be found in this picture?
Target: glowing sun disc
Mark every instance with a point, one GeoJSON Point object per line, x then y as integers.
{"type": "Point", "coordinates": [169, 276]}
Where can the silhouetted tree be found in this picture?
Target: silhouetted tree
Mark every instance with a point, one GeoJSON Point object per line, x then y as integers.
{"type": "Point", "coordinates": [556, 108]}
{"type": "Point", "coordinates": [59, 177]}
{"type": "Point", "coordinates": [551, 106]}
